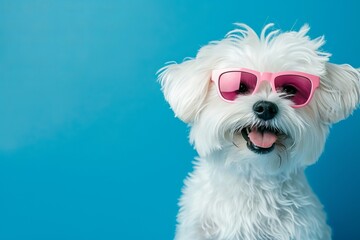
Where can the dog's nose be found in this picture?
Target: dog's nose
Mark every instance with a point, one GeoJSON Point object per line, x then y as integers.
{"type": "Point", "coordinates": [265, 110]}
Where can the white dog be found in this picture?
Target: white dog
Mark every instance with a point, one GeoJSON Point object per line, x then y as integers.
{"type": "Point", "coordinates": [259, 108]}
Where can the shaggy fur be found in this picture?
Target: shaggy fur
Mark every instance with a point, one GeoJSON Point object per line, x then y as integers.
{"type": "Point", "coordinates": [233, 192]}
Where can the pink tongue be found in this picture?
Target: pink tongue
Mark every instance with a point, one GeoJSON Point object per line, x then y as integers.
{"type": "Point", "coordinates": [262, 139]}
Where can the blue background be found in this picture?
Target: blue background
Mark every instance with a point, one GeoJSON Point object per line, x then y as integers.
{"type": "Point", "coordinates": [88, 147]}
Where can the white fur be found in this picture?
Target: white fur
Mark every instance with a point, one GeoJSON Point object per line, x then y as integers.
{"type": "Point", "coordinates": [233, 192]}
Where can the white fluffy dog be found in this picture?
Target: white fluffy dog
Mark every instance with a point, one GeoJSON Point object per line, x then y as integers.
{"type": "Point", "coordinates": [259, 108]}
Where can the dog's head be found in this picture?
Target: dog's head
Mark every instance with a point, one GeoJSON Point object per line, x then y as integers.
{"type": "Point", "coordinates": [278, 118]}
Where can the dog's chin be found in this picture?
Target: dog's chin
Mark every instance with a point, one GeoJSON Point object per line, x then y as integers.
{"type": "Point", "coordinates": [262, 139]}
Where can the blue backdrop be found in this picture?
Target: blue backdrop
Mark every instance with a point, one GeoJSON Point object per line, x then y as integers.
{"type": "Point", "coordinates": [88, 147]}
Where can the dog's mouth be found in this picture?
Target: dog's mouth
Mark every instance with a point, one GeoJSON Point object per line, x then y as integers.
{"type": "Point", "coordinates": [261, 140]}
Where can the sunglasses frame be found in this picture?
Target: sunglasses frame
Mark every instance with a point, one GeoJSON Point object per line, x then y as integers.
{"type": "Point", "coordinates": [266, 76]}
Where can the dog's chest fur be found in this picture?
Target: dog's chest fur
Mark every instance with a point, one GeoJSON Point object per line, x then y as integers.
{"type": "Point", "coordinates": [218, 204]}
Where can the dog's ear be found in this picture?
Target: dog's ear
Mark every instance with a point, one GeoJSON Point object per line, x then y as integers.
{"type": "Point", "coordinates": [339, 93]}
{"type": "Point", "coordinates": [185, 87]}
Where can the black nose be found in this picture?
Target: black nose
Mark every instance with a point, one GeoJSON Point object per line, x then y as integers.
{"type": "Point", "coordinates": [265, 110]}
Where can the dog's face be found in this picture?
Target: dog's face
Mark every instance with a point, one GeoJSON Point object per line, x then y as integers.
{"type": "Point", "coordinates": [261, 131]}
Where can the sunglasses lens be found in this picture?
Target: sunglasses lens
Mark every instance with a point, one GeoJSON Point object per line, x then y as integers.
{"type": "Point", "coordinates": [235, 83]}
{"type": "Point", "coordinates": [294, 87]}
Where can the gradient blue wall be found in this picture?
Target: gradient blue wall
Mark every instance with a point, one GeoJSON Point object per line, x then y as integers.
{"type": "Point", "coordinates": [88, 147]}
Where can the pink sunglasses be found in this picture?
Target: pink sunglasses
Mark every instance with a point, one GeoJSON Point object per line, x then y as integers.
{"type": "Point", "coordinates": [299, 87]}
